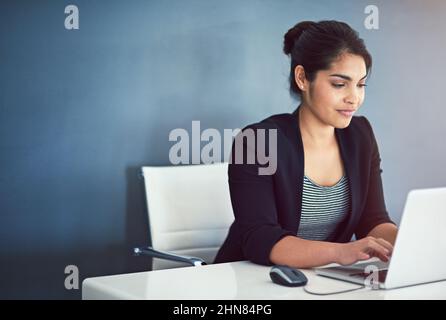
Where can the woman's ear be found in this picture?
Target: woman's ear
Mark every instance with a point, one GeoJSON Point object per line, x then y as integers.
{"type": "Point", "coordinates": [299, 77]}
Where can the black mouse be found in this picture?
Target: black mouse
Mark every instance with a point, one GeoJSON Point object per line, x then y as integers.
{"type": "Point", "coordinates": [287, 276]}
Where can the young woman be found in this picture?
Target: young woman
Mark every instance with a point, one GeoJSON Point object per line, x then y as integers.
{"type": "Point", "coordinates": [327, 186]}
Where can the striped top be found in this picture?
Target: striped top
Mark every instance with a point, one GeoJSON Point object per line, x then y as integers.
{"type": "Point", "coordinates": [323, 209]}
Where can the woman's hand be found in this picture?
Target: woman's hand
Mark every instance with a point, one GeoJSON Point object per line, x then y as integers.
{"type": "Point", "coordinates": [363, 249]}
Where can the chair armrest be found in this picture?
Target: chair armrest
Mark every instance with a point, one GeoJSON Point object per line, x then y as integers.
{"type": "Point", "coordinates": [149, 251]}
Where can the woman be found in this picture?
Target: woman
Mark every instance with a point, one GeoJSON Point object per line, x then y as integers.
{"type": "Point", "coordinates": [327, 186]}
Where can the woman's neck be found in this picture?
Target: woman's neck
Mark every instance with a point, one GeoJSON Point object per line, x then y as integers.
{"type": "Point", "coordinates": [314, 132]}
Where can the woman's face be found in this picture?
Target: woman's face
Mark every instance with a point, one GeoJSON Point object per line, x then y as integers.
{"type": "Point", "coordinates": [342, 87]}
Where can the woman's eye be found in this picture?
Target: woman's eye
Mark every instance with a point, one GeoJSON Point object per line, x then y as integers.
{"type": "Point", "coordinates": [340, 85]}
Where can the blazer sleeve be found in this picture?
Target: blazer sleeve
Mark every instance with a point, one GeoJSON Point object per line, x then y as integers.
{"type": "Point", "coordinates": [253, 202]}
{"type": "Point", "coordinates": [375, 211]}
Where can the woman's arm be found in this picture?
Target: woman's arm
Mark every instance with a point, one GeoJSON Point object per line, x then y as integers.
{"type": "Point", "coordinates": [253, 199]}
{"type": "Point", "coordinates": [386, 231]}
{"type": "Point", "coordinates": [300, 253]}
{"type": "Point", "coordinates": [375, 213]}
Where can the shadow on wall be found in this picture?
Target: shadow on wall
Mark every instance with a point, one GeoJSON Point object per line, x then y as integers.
{"type": "Point", "coordinates": [137, 222]}
{"type": "Point", "coordinates": [41, 275]}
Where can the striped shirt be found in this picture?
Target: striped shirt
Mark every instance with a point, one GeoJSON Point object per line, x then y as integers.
{"type": "Point", "coordinates": [323, 209]}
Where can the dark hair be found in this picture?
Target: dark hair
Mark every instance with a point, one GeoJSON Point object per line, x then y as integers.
{"type": "Point", "coordinates": [315, 45]}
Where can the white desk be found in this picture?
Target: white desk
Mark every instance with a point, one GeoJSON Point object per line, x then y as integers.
{"type": "Point", "coordinates": [237, 280]}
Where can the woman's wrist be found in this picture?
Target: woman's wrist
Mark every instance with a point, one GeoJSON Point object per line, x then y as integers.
{"type": "Point", "coordinates": [336, 252]}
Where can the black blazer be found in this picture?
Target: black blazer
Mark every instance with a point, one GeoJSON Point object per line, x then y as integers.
{"type": "Point", "coordinates": [268, 207]}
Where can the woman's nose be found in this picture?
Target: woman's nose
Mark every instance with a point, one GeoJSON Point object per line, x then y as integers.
{"type": "Point", "coordinates": [352, 98]}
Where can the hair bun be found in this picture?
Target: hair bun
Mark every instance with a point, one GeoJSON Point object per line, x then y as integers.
{"type": "Point", "coordinates": [293, 35]}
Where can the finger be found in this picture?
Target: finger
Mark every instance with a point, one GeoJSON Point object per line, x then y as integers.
{"type": "Point", "coordinates": [376, 245]}
{"type": "Point", "coordinates": [378, 255]}
{"type": "Point", "coordinates": [363, 256]}
{"type": "Point", "coordinates": [385, 244]}
{"type": "Point", "coordinates": [380, 250]}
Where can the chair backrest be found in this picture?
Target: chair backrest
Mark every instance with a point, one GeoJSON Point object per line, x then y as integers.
{"type": "Point", "coordinates": [189, 210]}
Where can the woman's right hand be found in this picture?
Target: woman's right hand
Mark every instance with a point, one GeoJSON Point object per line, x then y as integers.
{"type": "Point", "coordinates": [363, 249]}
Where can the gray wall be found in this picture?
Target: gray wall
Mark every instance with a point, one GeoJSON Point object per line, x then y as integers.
{"type": "Point", "coordinates": [81, 111]}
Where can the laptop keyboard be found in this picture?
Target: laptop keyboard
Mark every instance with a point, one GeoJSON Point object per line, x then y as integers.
{"type": "Point", "coordinates": [359, 270]}
{"type": "Point", "coordinates": [379, 264]}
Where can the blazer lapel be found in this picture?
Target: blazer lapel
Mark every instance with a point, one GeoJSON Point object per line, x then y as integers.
{"type": "Point", "coordinates": [350, 154]}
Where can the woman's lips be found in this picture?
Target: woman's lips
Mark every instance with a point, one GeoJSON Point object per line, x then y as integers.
{"type": "Point", "coordinates": [346, 113]}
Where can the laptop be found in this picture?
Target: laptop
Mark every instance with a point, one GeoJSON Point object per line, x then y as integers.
{"type": "Point", "coordinates": [419, 254]}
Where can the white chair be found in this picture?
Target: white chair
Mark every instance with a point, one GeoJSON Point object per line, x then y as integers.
{"type": "Point", "coordinates": [190, 212]}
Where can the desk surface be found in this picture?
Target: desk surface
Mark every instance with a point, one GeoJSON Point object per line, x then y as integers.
{"type": "Point", "coordinates": [237, 280]}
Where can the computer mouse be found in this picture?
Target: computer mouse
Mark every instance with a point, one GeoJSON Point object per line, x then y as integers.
{"type": "Point", "coordinates": [287, 276]}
